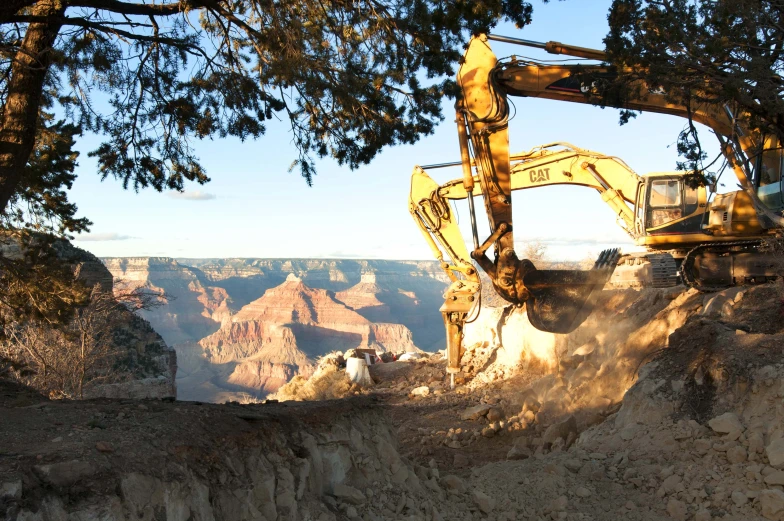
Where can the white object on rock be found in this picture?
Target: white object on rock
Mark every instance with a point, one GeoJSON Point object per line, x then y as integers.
{"type": "Point", "coordinates": [357, 371]}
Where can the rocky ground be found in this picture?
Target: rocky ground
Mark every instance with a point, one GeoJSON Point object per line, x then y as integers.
{"type": "Point", "coordinates": [665, 404]}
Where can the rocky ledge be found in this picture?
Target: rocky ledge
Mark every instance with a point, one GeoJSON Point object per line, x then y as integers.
{"type": "Point", "coordinates": [113, 460]}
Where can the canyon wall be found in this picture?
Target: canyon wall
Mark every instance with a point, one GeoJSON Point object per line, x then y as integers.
{"type": "Point", "coordinates": [244, 327]}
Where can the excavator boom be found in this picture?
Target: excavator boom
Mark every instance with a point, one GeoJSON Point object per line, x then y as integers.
{"type": "Point", "coordinates": [755, 159]}
{"type": "Point", "coordinates": [566, 164]}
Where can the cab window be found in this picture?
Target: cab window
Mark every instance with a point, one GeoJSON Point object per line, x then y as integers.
{"type": "Point", "coordinates": [665, 193]}
{"type": "Point", "coordinates": [664, 202]}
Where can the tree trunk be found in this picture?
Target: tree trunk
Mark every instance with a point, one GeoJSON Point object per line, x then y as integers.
{"type": "Point", "coordinates": [20, 113]}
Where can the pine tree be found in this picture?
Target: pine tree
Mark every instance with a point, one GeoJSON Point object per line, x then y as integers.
{"type": "Point", "coordinates": [726, 53]}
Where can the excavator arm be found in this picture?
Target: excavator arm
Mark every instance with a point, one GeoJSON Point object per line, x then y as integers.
{"type": "Point", "coordinates": [566, 164]}
{"type": "Point", "coordinates": [433, 215]}
{"type": "Point", "coordinates": [753, 157]}
{"type": "Point", "coordinates": [555, 300]}
{"type": "Point", "coordinates": [552, 164]}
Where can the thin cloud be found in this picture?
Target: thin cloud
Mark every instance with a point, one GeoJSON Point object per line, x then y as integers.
{"type": "Point", "coordinates": [192, 195]}
{"type": "Point", "coordinates": [98, 237]}
{"type": "Point", "coordinates": [344, 255]}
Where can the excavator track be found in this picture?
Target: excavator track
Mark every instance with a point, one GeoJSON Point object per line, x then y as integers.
{"type": "Point", "coordinates": [768, 265]}
{"type": "Point", "coordinates": [664, 270]}
{"type": "Point", "coordinates": [646, 270]}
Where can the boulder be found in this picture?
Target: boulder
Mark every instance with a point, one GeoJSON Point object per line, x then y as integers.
{"type": "Point", "coordinates": [66, 473]}
{"type": "Point", "coordinates": [736, 454]}
{"type": "Point", "coordinates": [726, 423]}
{"type": "Point", "coordinates": [519, 451]}
{"type": "Point", "coordinates": [494, 414]}
{"type": "Point", "coordinates": [775, 478]}
{"type": "Point", "coordinates": [485, 503]}
{"type": "Point", "coordinates": [348, 494]}
{"type": "Point", "coordinates": [775, 452]}
{"type": "Point", "coordinates": [452, 482]}
{"type": "Point", "coordinates": [772, 504]}
{"type": "Point", "coordinates": [677, 510]}
{"type": "Point", "coordinates": [475, 412]}
{"type": "Point", "coordinates": [560, 430]}
{"type": "Point", "coordinates": [422, 390]}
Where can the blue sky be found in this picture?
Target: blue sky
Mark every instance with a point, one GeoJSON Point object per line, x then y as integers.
{"type": "Point", "coordinates": [254, 208]}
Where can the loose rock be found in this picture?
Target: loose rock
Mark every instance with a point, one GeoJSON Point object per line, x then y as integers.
{"type": "Point", "coordinates": [775, 452]}
{"type": "Point", "coordinates": [475, 412]}
{"type": "Point", "coordinates": [494, 414]}
{"type": "Point", "coordinates": [348, 494]}
{"type": "Point", "coordinates": [772, 504]}
{"type": "Point", "coordinates": [677, 509]}
{"type": "Point", "coordinates": [485, 503]}
{"type": "Point", "coordinates": [726, 423]}
{"type": "Point", "coordinates": [420, 391]}
{"type": "Point", "coordinates": [736, 454]}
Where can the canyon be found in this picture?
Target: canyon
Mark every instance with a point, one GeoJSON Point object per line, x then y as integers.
{"type": "Point", "coordinates": [244, 327]}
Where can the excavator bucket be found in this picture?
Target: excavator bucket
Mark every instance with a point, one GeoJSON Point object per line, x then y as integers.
{"type": "Point", "coordinates": [562, 299]}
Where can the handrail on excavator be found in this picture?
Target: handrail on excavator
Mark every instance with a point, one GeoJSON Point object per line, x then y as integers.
{"type": "Point", "coordinates": [553, 47]}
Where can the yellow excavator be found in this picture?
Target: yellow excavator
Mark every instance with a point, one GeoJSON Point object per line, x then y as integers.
{"type": "Point", "coordinates": [719, 238]}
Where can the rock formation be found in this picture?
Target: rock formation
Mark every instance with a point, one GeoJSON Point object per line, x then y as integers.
{"type": "Point", "coordinates": [217, 304]}
{"type": "Point", "coordinates": [196, 309]}
{"type": "Point", "coordinates": [364, 299]}
{"type": "Point", "coordinates": [150, 363]}
{"type": "Point", "coordinates": [206, 289]}
{"type": "Point", "coordinates": [122, 356]}
{"type": "Point", "coordinates": [281, 334]}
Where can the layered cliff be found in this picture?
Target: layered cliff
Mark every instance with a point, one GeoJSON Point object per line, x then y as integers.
{"type": "Point", "coordinates": [104, 350]}
{"type": "Point", "coordinates": [281, 334]}
{"type": "Point", "coordinates": [148, 364]}
{"type": "Point", "coordinates": [365, 299]}
{"type": "Point", "coordinates": [223, 324]}
{"type": "Point", "coordinates": [195, 308]}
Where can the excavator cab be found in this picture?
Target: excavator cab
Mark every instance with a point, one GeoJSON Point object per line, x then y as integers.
{"type": "Point", "coordinates": [670, 206]}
